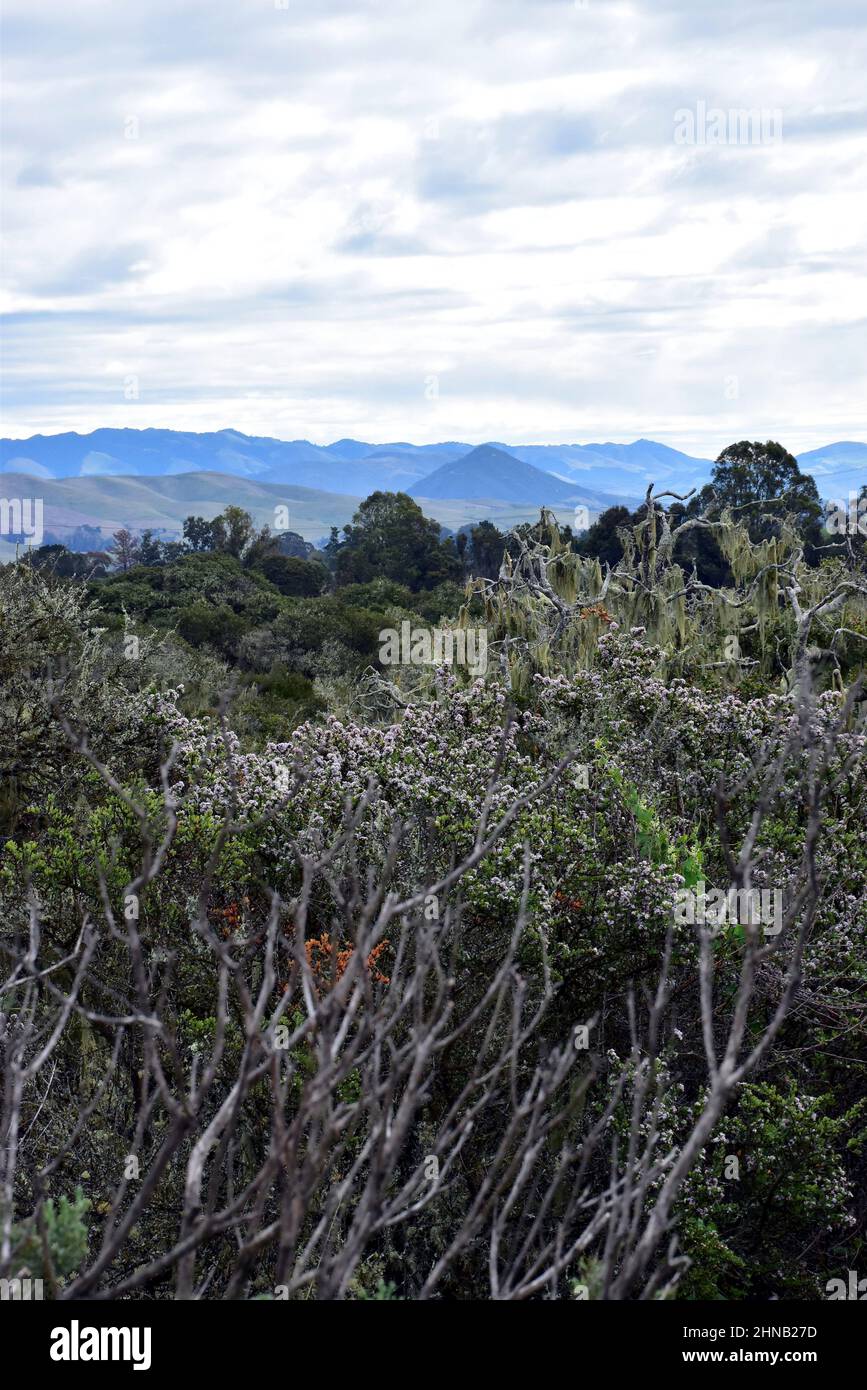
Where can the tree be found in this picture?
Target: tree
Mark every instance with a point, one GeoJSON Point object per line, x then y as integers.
{"type": "Point", "coordinates": [551, 605]}
{"type": "Point", "coordinates": [234, 531]}
{"type": "Point", "coordinates": [150, 550]}
{"type": "Point", "coordinates": [68, 564]}
{"type": "Point", "coordinates": [331, 548]}
{"type": "Point", "coordinates": [291, 543]}
{"type": "Point", "coordinates": [199, 533]}
{"type": "Point", "coordinates": [487, 548]}
{"type": "Point", "coordinates": [698, 548]}
{"type": "Point", "coordinates": [125, 549]}
{"type": "Point", "coordinates": [212, 625]}
{"type": "Point", "coordinates": [391, 537]}
{"type": "Point", "coordinates": [299, 578]}
{"type": "Point", "coordinates": [601, 540]}
{"type": "Point", "coordinates": [757, 478]}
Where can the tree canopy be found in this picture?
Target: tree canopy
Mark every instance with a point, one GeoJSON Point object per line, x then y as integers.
{"type": "Point", "coordinates": [390, 536]}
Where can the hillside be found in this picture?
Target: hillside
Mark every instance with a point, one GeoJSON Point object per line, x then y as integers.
{"type": "Point", "coordinates": [620, 469]}
{"type": "Point", "coordinates": [489, 472]}
{"type": "Point", "coordinates": [163, 503]}
{"type": "Point", "coordinates": [347, 467]}
{"type": "Point", "coordinates": [838, 468]}
{"type": "Point", "coordinates": [129, 472]}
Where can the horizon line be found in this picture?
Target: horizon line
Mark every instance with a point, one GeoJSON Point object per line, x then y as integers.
{"type": "Point", "coordinates": [396, 443]}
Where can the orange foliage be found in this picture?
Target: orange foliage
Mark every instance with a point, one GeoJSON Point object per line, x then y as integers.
{"type": "Point", "coordinates": [573, 904]}
{"type": "Point", "coordinates": [230, 915]}
{"type": "Point", "coordinates": [596, 610]}
{"type": "Point", "coordinates": [328, 965]}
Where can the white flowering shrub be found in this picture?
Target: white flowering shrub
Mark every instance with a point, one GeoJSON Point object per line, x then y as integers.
{"type": "Point", "coordinates": [286, 978]}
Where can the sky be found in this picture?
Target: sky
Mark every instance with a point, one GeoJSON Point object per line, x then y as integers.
{"type": "Point", "coordinates": [523, 220]}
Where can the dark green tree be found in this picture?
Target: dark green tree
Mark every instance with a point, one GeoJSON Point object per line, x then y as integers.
{"type": "Point", "coordinates": [601, 540]}
{"type": "Point", "coordinates": [756, 480]}
{"type": "Point", "coordinates": [213, 625]}
{"type": "Point", "coordinates": [298, 578]}
{"type": "Point", "coordinates": [292, 543]}
{"type": "Point", "coordinates": [234, 531]}
{"type": "Point", "coordinates": [487, 547]}
{"type": "Point", "coordinates": [150, 551]}
{"type": "Point", "coordinates": [391, 537]}
{"type": "Point", "coordinates": [56, 559]}
{"type": "Point", "coordinates": [698, 549]}
{"type": "Point", "coordinates": [199, 533]}
{"type": "Point", "coordinates": [331, 549]}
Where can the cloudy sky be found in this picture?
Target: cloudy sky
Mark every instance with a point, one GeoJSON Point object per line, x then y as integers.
{"type": "Point", "coordinates": [466, 219]}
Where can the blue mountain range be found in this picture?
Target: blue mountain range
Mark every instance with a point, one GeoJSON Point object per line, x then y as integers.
{"type": "Point", "coordinates": [525, 474]}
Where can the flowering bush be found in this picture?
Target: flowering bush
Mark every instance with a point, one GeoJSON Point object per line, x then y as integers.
{"type": "Point", "coordinates": [392, 893]}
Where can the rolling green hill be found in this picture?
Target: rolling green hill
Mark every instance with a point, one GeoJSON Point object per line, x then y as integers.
{"type": "Point", "coordinates": [162, 503]}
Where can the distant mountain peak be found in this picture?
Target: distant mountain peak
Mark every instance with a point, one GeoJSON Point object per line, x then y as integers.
{"type": "Point", "coordinates": [490, 472]}
{"type": "Point", "coordinates": [488, 451]}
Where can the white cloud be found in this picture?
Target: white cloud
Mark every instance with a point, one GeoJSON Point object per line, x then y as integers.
{"type": "Point", "coordinates": [288, 221]}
